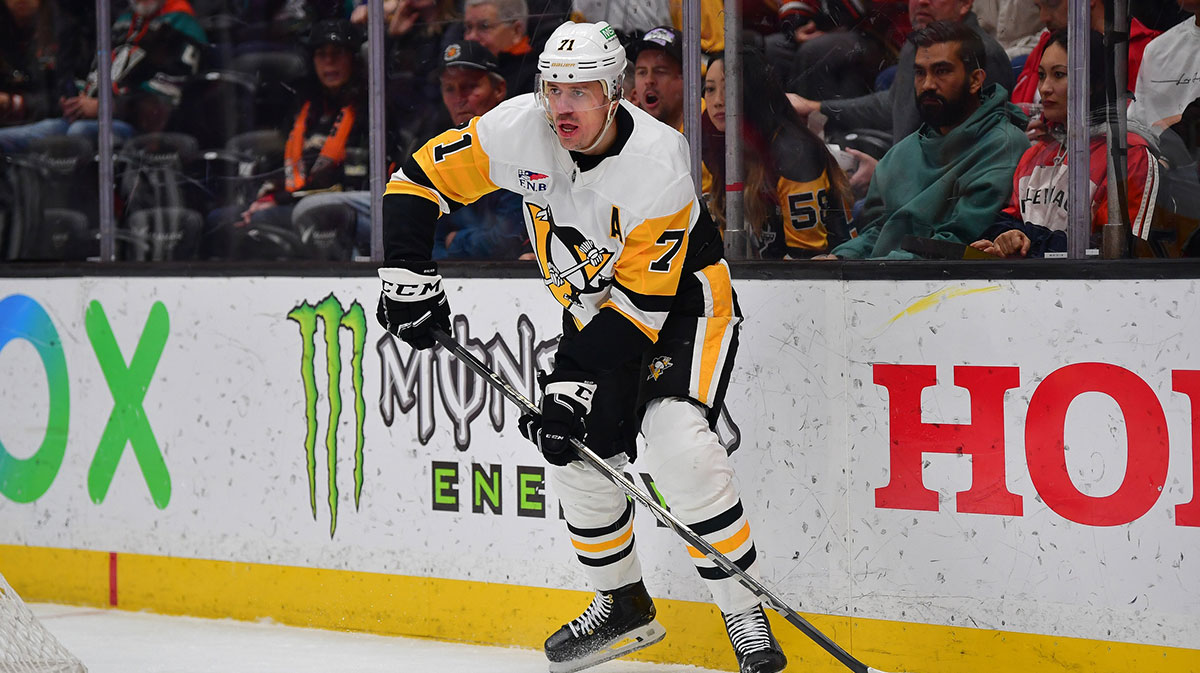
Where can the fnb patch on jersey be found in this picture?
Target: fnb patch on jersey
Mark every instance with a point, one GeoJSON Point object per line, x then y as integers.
{"type": "Point", "coordinates": [533, 181]}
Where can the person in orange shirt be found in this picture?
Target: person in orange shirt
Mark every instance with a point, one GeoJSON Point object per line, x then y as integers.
{"type": "Point", "coordinates": [500, 25]}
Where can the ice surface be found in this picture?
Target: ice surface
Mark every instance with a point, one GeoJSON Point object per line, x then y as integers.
{"type": "Point", "coordinates": [115, 641]}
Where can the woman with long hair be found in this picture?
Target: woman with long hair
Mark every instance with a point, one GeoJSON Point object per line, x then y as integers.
{"type": "Point", "coordinates": [1035, 221]}
{"type": "Point", "coordinates": [797, 198]}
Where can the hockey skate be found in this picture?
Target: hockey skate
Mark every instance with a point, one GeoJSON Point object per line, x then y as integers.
{"type": "Point", "coordinates": [755, 646]}
{"type": "Point", "coordinates": [616, 623]}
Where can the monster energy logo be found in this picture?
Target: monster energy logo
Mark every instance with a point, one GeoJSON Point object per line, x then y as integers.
{"type": "Point", "coordinates": [333, 318]}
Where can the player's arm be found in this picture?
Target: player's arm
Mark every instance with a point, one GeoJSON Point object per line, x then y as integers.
{"type": "Point", "coordinates": [448, 172]}
{"type": "Point", "coordinates": [644, 284]}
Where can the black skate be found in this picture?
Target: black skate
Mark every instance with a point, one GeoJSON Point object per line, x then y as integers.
{"type": "Point", "coordinates": [753, 643]}
{"type": "Point", "coordinates": [616, 623]}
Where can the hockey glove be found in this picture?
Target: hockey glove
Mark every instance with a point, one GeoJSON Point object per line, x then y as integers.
{"type": "Point", "coordinates": [565, 406]}
{"type": "Point", "coordinates": [412, 303]}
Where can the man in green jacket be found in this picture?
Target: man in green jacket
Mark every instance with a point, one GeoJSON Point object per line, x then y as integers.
{"type": "Point", "coordinates": [949, 179]}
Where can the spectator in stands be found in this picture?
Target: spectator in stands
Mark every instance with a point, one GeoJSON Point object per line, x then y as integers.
{"type": "Point", "coordinates": [830, 48]}
{"type": "Point", "coordinates": [331, 117]}
{"type": "Point", "coordinates": [1054, 14]}
{"type": "Point", "coordinates": [415, 33]}
{"type": "Point", "coordinates": [948, 180]}
{"type": "Point", "coordinates": [500, 25]}
{"type": "Point", "coordinates": [491, 228]}
{"type": "Point", "coordinates": [894, 110]}
{"type": "Point", "coordinates": [1169, 79]}
{"type": "Point", "coordinates": [1014, 23]}
{"type": "Point", "coordinates": [156, 50]}
{"type": "Point", "coordinates": [1035, 220]}
{"type": "Point", "coordinates": [630, 18]}
{"type": "Point", "coordinates": [32, 68]}
{"type": "Point", "coordinates": [796, 195]}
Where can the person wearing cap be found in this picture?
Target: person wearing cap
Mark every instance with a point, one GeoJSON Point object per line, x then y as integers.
{"type": "Point", "coordinates": [330, 119]}
{"type": "Point", "coordinates": [658, 81]}
{"type": "Point", "coordinates": [650, 326]}
{"type": "Point", "coordinates": [489, 229]}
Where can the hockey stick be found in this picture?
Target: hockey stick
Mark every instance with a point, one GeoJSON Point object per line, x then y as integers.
{"type": "Point", "coordinates": [668, 519]}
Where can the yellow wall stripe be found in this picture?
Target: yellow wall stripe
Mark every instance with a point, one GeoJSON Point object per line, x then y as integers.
{"type": "Point", "coordinates": [727, 545]}
{"type": "Point", "coordinates": [509, 615]}
{"type": "Point", "coordinates": [603, 546]}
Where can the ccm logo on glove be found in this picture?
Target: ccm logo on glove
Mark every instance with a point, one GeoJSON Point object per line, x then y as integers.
{"type": "Point", "coordinates": [405, 285]}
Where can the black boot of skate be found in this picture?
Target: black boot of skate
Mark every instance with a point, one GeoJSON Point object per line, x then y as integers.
{"type": "Point", "coordinates": [616, 623]}
{"type": "Point", "coordinates": [755, 646]}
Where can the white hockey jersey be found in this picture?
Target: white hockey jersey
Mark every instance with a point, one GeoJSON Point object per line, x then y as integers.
{"type": "Point", "coordinates": [613, 236]}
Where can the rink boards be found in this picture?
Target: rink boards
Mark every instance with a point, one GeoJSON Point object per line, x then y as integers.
{"type": "Point", "coordinates": [944, 476]}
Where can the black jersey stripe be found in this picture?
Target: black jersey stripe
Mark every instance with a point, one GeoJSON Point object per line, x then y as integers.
{"type": "Point", "coordinates": [605, 530]}
{"type": "Point", "coordinates": [743, 563]}
{"type": "Point", "coordinates": [649, 303]}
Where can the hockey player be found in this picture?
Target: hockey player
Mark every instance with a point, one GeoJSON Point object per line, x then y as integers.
{"type": "Point", "coordinates": [650, 325]}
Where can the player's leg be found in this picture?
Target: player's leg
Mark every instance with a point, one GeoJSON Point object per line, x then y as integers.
{"type": "Point", "coordinates": [621, 616]}
{"type": "Point", "coordinates": [682, 392]}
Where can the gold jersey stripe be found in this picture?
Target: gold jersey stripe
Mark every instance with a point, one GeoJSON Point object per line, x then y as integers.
{"type": "Point", "coordinates": [456, 164]}
{"type": "Point", "coordinates": [404, 187]}
{"type": "Point", "coordinates": [720, 286]}
{"type": "Point", "coordinates": [603, 546]}
{"type": "Point", "coordinates": [654, 252]}
{"type": "Point", "coordinates": [727, 545]}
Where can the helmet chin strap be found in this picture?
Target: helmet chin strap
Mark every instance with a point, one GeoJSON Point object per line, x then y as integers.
{"type": "Point", "coordinates": [612, 113]}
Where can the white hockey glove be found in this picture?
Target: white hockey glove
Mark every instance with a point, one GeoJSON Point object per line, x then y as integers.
{"type": "Point", "coordinates": [412, 303]}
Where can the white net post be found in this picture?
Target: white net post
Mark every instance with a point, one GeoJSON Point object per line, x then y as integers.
{"type": "Point", "coordinates": [25, 645]}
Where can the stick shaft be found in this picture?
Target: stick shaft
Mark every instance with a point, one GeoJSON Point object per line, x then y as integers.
{"type": "Point", "coordinates": [683, 530]}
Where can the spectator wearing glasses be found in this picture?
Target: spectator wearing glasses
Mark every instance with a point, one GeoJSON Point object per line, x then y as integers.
{"type": "Point", "coordinates": [500, 25]}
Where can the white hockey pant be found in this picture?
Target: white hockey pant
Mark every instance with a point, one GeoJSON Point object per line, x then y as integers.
{"type": "Point", "coordinates": [692, 473]}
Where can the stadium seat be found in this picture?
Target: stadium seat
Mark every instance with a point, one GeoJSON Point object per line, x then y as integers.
{"type": "Point", "coordinates": [62, 234]}
{"type": "Point", "coordinates": [274, 74]}
{"type": "Point", "coordinates": [161, 235]}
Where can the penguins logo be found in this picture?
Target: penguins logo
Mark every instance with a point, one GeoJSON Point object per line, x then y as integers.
{"type": "Point", "coordinates": [569, 260]}
{"type": "Point", "coordinates": [659, 365]}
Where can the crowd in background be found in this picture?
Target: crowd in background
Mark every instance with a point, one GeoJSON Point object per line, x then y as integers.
{"type": "Point", "coordinates": [894, 129]}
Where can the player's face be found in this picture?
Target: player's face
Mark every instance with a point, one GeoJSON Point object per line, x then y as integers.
{"type": "Point", "coordinates": [924, 12]}
{"type": "Point", "coordinates": [714, 94]}
{"type": "Point", "coordinates": [658, 79]}
{"type": "Point", "coordinates": [482, 24]}
{"type": "Point", "coordinates": [1192, 6]}
{"type": "Point", "coordinates": [1052, 84]}
{"type": "Point", "coordinates": [578, 112]}
{"type": "Point", "coordinates": [332, 64]}
{"type": "Point", "coordinates": [469, 92]}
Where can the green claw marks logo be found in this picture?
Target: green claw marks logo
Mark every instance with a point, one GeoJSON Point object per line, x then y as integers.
{"type": "Point", "coordinates": [334, 318]}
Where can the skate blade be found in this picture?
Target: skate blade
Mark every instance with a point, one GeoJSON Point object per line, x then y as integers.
{"type": "Point", "coordinates": [641, 637]}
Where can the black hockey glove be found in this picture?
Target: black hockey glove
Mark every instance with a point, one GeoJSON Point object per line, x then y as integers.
{"type": "Point", "coordinates": [412, 303]}
{"type": "Point", "coordinates": [565, 406]}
